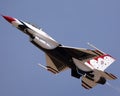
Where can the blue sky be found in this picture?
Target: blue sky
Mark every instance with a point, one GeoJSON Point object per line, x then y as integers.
{"type": "Point", "coordinates": [70, 22]}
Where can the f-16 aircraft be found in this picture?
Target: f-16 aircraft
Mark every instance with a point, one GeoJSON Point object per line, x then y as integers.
{"type": "Point", "coordinates": [87, 64]}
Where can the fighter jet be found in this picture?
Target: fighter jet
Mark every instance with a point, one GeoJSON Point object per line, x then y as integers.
{"type": "Point", "coordinates": [87, 64]}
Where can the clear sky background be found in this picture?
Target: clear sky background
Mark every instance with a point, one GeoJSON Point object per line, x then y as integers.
{"type": "Point", "coordinates": [70, 22]}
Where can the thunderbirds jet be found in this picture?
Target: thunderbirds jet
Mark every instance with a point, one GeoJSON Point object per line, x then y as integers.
{"type": "Point", "coordinates": [89, 64]}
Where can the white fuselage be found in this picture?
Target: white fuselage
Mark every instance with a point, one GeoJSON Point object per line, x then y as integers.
{"type": "Point", "coordinates": [40, 37]}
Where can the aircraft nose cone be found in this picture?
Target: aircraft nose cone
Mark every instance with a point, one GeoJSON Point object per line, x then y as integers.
{"type": "Point", "coordinates": [9, 19]}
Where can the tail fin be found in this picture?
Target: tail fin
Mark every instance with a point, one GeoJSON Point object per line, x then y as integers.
{"type": "Point", "coordinates": [101, 62]}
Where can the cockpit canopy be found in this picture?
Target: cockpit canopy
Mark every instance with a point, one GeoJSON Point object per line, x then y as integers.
{"type": "Point", "coordinates": [34, 25]}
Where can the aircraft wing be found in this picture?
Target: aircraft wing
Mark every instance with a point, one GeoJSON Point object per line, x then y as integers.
{"type": "Point", "coordinates": [53, 65]}
{"type": "Point", "coordinates": [81, 54]}
{"type": "Point", "coordinates": [96, 58]}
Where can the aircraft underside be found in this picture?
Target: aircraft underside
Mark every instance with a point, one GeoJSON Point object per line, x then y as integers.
{"type": "Point", "coordinates": [84, 63]}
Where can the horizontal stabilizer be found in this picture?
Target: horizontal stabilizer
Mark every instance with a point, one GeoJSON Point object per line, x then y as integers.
{"type": "Point", "coordinates": [111, 76]}
{"type": "Point", "coordinates": [87, 83]}
{"type": "Point", "coordinates": [106, 75]}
